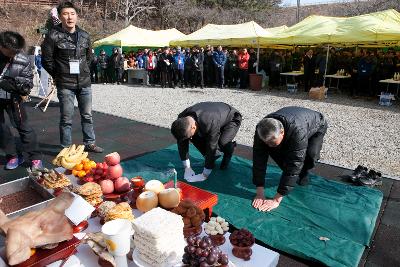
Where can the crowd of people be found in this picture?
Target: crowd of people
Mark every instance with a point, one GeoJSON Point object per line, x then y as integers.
{"type": "Point", "coordinates": [220, 67]}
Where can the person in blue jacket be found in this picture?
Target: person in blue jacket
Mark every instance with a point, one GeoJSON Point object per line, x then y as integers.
{"type": "Point", "coordinates": [219, 59]}
{"type": "Point", "coordinates": [179, 60]}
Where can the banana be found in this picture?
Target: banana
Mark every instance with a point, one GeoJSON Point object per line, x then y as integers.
{"type": "Point", "coordinates": [67, 165]}
{"type": "Point", "coordinates": [74, 157]}
{"type": "Point", "coordinates": [59, 155]}
{"type": "Point", "coordinates": [71, 150]}
{"type": "Point", "coordinates": [62, 152]}
{"type": "Point", "coordinates": [79, 150]}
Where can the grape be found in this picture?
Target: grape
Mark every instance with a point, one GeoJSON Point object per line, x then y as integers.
{"type": "Point", "coordinates": [204, 264]}
{"type": "Point", "coordinates": [190, 240]}
{"type": "Point", "coordinates": [214, 250]}
{"type": "Point", "coordinates": [199, 251]}
{"type": "Point", "coordinates": [203, 244]}
{"type": "Point", "coordinates": [211, 259]}
{"type": "Point", "coordinates": [193, 263]}
{"type": "Point", "coordinates": [197, 240]}
{"type": "Point", "coordinates": [208, 240]}
{"type": "Point", "coordinates": [224, 259]}
{"type": "Point", "coordinates": [192, 249]}
{"type": "Point", "coordinates": [205, 253]}
{"type": "Point", "coordinates": [202, 259]}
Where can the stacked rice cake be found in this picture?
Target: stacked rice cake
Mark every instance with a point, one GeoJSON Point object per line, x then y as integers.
{"type": "Point", "coordinates": [159, 237]}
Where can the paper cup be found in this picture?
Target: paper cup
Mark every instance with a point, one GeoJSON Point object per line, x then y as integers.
{"type": "Point", "coordinates": [118, 236]}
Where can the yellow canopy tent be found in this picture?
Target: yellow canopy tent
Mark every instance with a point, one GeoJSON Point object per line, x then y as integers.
{"type": "Point", "coordinates": [275, 30]}
{"type": "Point", "coordinates": [239, 35]}
{"type": "Point", "coordinates": [379, 28]}
{"type": "Point", "coordinates": [136, 37]}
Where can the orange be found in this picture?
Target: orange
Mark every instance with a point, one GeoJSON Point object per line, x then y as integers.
{"type": "Point", "coordinates": [85, 161]}
{"type": "Point", "coordinates": [81, 174]}
{"type": "Point", "coordinates": [78, 167]}
{"type": "Point", "coordinates": [93, 164]}
{"type": "Point", "coordinates": [75, 172]}
{"type": "Point", "coordinates": [87, 167]}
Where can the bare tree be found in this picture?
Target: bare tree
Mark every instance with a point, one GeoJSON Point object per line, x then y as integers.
{"type": "Point", "coordinates": [131, 9]}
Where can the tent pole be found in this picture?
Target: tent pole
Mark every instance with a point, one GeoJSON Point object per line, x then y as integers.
{"type": "Point", "coordinates": [258, 57]}
{"type": "Point", "coordinates": [326, 64]}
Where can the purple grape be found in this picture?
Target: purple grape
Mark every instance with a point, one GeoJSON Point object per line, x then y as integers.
{"type": "Point", "coordinates": [205, 253]}
{"type": "Point", "coordinates": [224, 259]}
{"type": "Point", "coordinates": [190, 240]}
{"type": "Point", "coordinates": [193, 263]}
{"type": "Point", "coordinates": [202, 259]}
{"type": "Point", "coordinates": [199, 251]}
{"type": "Point", "coordinates": [208, 240]}
{"type": "Point", "coordinates": [204, 264]}
{"type": "Point", "coordinates": [211, 259]}
{"type": "Point", "coordinates": [203, 244]}
{"type": "Point", "coordinates": [197, 240]}
{"type": "Point", "coordinates": [214, 250]}
{"type": "Point", "coordinates": [191, 249]}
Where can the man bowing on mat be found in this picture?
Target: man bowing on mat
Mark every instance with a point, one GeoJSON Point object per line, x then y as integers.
{"type": "Point", "coordinates": [210, 126]}
{"type": "Point", "coordinates": [293, 137]}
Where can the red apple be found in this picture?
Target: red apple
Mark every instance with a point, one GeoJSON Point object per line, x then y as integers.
{"type": "Point", "coordinates": [114, 172]}
{"type": "Point", "coordinates": [112, 159]}
{"type": "Point", "coordinates": [107, 186]}
{"type": "Point", "coordinates": [121, 184]}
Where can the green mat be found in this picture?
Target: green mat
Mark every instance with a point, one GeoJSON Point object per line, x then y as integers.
{"type": "Point", "coordinates": [344, 214]}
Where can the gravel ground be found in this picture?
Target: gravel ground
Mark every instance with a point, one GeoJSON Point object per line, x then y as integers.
{"type": "Point", "coordinates": [360, 132]}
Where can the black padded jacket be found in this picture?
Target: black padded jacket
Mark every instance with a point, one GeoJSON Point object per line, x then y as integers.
{"type": "Point", "coordinates": [58, 48]}
{"type": "Point", "coordinates": [299, 125]}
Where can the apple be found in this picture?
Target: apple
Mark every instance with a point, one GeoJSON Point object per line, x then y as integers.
{"type": "Point", "coordinates": [112, 159]}
{"type": "Point", "coordinates": [114, 172]}
{"type": "Point", "coordinates": [107, 186]}
{"type": "Point", "coordinates": [122, 184]}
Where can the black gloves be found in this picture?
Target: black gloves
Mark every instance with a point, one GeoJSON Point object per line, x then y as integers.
{"type": "Point", "coordinates": [286, 184]}
{"type": "Point", "coordinates": [8, 85]}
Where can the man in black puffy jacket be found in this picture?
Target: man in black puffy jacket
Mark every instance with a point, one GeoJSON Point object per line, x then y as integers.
{"type": "Point", "coordinates": [66, 55]}
{"type": "Point", "coordinates": [209, 126]}
{"type": "Point", "coordinates": [293, 137]}
{"type": "Point", "coordinates": [16, 82]}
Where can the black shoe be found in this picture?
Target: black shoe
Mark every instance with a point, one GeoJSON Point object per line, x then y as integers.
{"type": "Point", "coordinates": [372, 179]}
{"type": "Point", "coordinates": [303, 179]}
{"type": "Point", "coordinates": [93, 148]}
{"type": "Point", "coordinates": [359, 172]}
{"type": "Point", "coordinates": [226, 159]}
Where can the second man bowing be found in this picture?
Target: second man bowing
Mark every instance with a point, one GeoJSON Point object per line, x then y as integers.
{"type": "Point", "coordinates": [210, 126]}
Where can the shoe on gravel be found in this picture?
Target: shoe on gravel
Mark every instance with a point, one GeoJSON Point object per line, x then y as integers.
{"type": "Point", "coordinates": [358, 172]}
{"type": "Point", "coordinates": [372, 179]}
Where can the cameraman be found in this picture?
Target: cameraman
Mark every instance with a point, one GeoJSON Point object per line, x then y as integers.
{"type": "Point", "coordinates": [16, 82]}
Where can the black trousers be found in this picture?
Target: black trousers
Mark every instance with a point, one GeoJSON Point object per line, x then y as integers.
{"type": "Point", "coordinates": [209, 75]}
{"type": "Point", "coordinates": [18, 117]}
{"type": "Point", "coordinates": [166, 78]}
{"type": "Point", "coordinates": [152, 79]}
{"type": "Point", "coordinates": [364, 86]}
{"type": "Point", "coordinates": [188, 73]}
{"type": "Point", "coordinates": [179, 78]}
{"type": "Point", "coordinates": [93, 75]}
{"type": "Point", "coordinates": [104, 76]}
{"type": "Point", "coordinates": [225, 142]}
{"type": "Point", "coordinates": [308, 81]}
{"type": "Point", "coordinates": [232, 77]}
{"type": "Point", "coordinates": [220, 75]}
{"type": "Point", "coordinates": [274, 79]}
{"type": "Point", "coordinates": [198, 78]}
{"type": "Point", "coordinates": [244, 78]}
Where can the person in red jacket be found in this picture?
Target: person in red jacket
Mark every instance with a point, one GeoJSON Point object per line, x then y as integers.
{"type": "Point", "coordinates": [243, 60]}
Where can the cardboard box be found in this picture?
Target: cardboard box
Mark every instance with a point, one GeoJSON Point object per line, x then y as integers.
{"type": "Point", "coordinates": [318, 93]}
